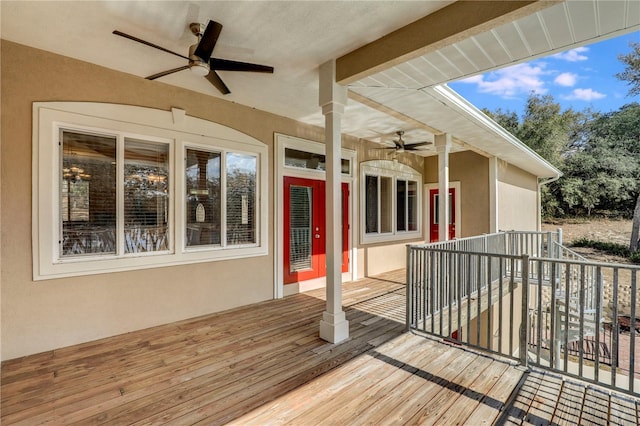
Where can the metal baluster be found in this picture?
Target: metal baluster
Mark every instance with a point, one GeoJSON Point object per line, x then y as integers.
{"type": "Point", "coordinates": [581, 321]}
{"type": "Point", "coordinates": [525, 310]}
{"type": "Point", "coordinates": [489, 310]}
{"type": "Point", "coordinates": [539, 303]}
{"type": "Point", "coordinates": [409, 283]}
{"type": "Point", "coordinates": [511, 304]}
{"type": "Point", "coordinates": [500, 302]}
{"type": "Point", "coordinates": [597, 324]}
{"type": "Point", "coordinates": [615, 328]}
{"type": "Point", "coordinates": [632, 330]}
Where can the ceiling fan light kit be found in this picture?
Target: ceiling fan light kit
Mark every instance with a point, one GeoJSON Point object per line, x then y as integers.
{"type": "Point", "coordinates": [200, 61]}
{"type": "Point", "coordinates": [197, 65]}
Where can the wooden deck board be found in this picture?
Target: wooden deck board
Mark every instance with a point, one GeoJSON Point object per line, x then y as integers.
{"type": "Point", "coordinates": [265, 364]}
{"type": "Point", "coordinates": [569, 405]}
{"type": "Point", "coordinates": [544, 404]}
{"type": "Point", "coordinates": [623, 411]}
{"type": "Point", "coordinates": [517, 412]}
{"type": "Point", "coordinates": [594, 412]}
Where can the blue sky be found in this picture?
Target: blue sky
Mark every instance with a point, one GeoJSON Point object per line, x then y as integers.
{"type": "Point", "coordinates": [579, 78]}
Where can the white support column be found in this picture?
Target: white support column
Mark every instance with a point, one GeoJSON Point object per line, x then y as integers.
{"type": "Point", "coordinates": [493, 195]}
{"type": "Point", "coordinates": [443, 146]}
{"type": "Point", "coordinates": [334, 326]}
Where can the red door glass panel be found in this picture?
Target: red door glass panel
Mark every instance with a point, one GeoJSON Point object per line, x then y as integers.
{"type": "Point", "coordinates": [434, 213]}
{"type": "Point", "coordinates": [304, 229]}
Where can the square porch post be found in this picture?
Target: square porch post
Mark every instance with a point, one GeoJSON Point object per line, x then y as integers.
{"type": "Point", "coordinates": [443, 146]}
{"type": "Point", "coordinates": [334, 326]}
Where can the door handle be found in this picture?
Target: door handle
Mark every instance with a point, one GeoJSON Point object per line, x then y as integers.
{"type": "Point", "coordinates": [317, 235]}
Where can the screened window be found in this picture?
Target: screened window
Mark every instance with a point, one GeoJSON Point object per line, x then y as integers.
{"type": "Point", "coordinates": [114, 195]}
{"type": "Point", "coordinates": [204, 210]}
{"type": "Point", "coordinates": [88, 194]}
{"type": "Point", "coordinates": [146, 196]}
{"type": "Point", "coordinates": [379, 204]}
{"type": "Point", "coordinates": [241, 170]}
{"type": "Point", "coordinates": [391, 195]}
{"type": "Point", "coordinates": [406, 205]}
{"type": "Point", "coordinates": [89, 188]}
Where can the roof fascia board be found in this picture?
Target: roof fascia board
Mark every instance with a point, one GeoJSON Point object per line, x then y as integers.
{"type": "Point", "coordinates": [454, 99]}
{"type": "Point", "coordinates": [452, 23]}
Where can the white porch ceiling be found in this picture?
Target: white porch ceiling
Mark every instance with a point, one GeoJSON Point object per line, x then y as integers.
{"type": "Point", "coordinates": [297, 36]}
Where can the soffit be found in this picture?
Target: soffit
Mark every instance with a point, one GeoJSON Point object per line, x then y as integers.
{"type": "Point", "coordinates": [297, 36]}
{"type": "Point", "coordinates": [414, 89]}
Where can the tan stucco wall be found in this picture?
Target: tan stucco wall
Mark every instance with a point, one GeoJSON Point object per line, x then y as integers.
{"type": "Point", "coordinates": [44, 315]}
{"type": "Point", "coordinates": [375, 259]}
{"type": "Point", "coordinates": [38, 316]}
{"type": "Point", "coordinates": [471, 170]}
{"type": "Point", "coordinates": [517, 199]}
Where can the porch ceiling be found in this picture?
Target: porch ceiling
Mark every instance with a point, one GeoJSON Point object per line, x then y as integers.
{"type": "Point", "coordinates": [297, 36]}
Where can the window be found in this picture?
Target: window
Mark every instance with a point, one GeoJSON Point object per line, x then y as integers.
{"type": "Point", "coordinates": [204, 209]}
{"type": "Point", "coordinates": [112, 195]}
{"type": "Point", "coordinates": [407, 205]}
{"type": "Point", "coordinates": [88, 193]}
{"type": "Point", "coordinates": [391, 201]}
{"type": "Point", "coordinates": [312, 161]}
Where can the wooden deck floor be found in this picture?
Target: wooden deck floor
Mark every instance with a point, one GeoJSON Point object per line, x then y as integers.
{"type": "Point", "coordinates": [264, 364]}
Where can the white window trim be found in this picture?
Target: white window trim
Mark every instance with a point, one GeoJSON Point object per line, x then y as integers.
{"type": "Point", "coordinates": [173, 126]}
{"type": "Point", "coordinates": [285, 141]}
{"type": "Point", "coordinates": [396, 171]}
{"type": "Point", "coordinates": [427, 202]}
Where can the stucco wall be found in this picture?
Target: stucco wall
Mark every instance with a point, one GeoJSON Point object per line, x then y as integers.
{"type": "Point", "coordinates": [44, 315]}
{"type": "Point", "coordinates": [471, 170]}
{"type": "Point", "coordinates": [517, 199]}
{"type": "Point", "coordinates": [38, 316]}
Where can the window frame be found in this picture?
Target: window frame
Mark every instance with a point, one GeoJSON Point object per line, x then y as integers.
{"type": "Point", "coordinates": [173, 127]}
{"type": "Point", "coordinates": [397, 172]}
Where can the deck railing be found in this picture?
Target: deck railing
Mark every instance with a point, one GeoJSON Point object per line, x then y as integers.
{"type": "Point", "coordinates": [525, 296]}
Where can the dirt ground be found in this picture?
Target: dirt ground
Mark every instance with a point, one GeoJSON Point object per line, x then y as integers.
{"type": "Point", "coordinates": [612, 231]}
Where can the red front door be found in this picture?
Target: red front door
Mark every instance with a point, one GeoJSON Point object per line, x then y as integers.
{"type": "Point", "coordinates": [304, 229]}
{"type": "Point", "coordinates": [434, 215]}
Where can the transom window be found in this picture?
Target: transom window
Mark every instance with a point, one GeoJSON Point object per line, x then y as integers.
{"type": "Point", "coordinates": [113, 195]}
{"type": "Point", "coordinates": [392, 198]}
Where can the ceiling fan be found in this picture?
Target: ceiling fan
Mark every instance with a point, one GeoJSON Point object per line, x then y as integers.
{"type": "Point", "coordinates": [200, 61]}
{"type": "Point", "coordinates": [401, 146]}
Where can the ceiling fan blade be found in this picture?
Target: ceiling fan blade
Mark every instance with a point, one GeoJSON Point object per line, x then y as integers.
{"type": "Point", "coordinates": [227, 65]}
{"type": "Point", "coordinates": [416, 144]}
{"type": "Point", "coordinates": [208, 41]}
{"type": "Point", "coordinates": [215, 79]}
{"type": "Point", "coordinates": [167, 72]}
{"type": "Point", "coordinates": [139, 40]}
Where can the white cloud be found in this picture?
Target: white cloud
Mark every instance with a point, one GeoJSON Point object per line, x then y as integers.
{"type": "Point", "coordinates": [512, 81]}
{"type": "Point", "coordinates": [584, 95]}
{"type": "Point", "coordinates": [566, 79]}
{"type": "Point", "coordinates": [573, 55]}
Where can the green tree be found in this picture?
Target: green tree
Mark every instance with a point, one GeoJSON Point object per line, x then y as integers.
{"type": "Point", "coordinates": [549, 131]}
{"type": "Point", "coordinates": [546, 128]}
{"type": "Point", "coordinates": [507, 119]}
{"type": "Point", "coordinates": [631, 75]}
